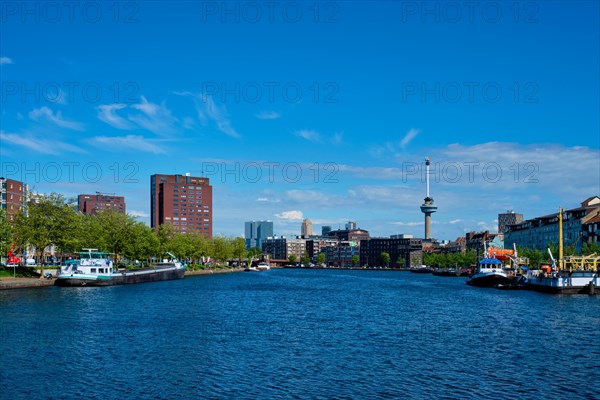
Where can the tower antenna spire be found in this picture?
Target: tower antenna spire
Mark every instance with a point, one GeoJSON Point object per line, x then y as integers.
{"type": "Point", "coordinates": [427, 207]}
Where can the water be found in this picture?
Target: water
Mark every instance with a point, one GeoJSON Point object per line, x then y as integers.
{"type": "Point", "coordinates": [298, 334]}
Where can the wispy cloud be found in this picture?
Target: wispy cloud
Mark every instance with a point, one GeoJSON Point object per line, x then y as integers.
{"type": "Point", "coordinates": [400, 223]}
{"type": "Point", "coordinates": [309, 135]}
{"type": "Point", "coordinates": [209, 110]}
{"type": "Point", "coordinates": [408, 138]}
{"type": "Point", "coordinates": [133, 142]}
{"type": "Point", "coordinates": [43, 146]}
{"type": "Point", "coordinates": [293, 215]}
{"type": "Point", "coordinates": [268, 115]}
{"type": "Point", "coordinates": [454, 221]}
{"type": "Point", "coordinates": [267, 200]}
{"type": "Point", "coordinates": [46, 114]}
{"type": "Point", "coordinates": [337, 138]}
{"type": "Point", "coordinates": [108, 113]}
{"type": "Point", "coordinates": [5, 61]}
{"type": "Point", "coordinates": [393, 148]}
{"type": "Point", "coordinates": [156, 118]}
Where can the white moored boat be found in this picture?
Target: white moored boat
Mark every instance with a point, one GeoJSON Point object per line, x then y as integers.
{"type": "Point", "coordinates": [95, 268]}
{"type": "Point", "coordinates": [263, 266]}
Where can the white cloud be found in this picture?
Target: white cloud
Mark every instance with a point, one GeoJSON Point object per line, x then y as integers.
{"type": "Point", "coordinates": [138, 214]}
{"type": "Point", "coordinates": [408, 138]}
{"type": "Point", "coordinates": [400, 223]}
{"type": "Point", "coordinates": [5, 61]}
{"type": "Point", "coordinates": [156, 118]}
{"type": "Point", "coordinates": [134, 142]}
{"type": "Point", "coordinates": [454, 221]}
{"type": "Point", "coordinates": [45, 113]}
{"type": "Point", "coordinates": [43, 146]}
{"type": "Point", "coordinates": [293, 215]}
{"type": "Point", "coordinates": [108, 113]}
{"type": "Point", "coordinates": [268, 115]}
{"type": "Point", "coordinates": [309, 135]}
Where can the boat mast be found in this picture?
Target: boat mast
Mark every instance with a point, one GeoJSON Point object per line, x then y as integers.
{"type": "Point", "coordinates": [560, 239]}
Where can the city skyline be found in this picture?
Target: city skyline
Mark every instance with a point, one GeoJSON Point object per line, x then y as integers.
{"type": "Point", "coordinates": [328, 120]}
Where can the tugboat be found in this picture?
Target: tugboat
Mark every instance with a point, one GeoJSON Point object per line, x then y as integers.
{"type": "Point", "coordinates": [95, 268]}
{"type": "Point", "coordinates": [489, 274]}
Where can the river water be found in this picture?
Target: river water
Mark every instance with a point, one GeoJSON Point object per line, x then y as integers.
{"type": "Point", "coordinates": [298, 334]}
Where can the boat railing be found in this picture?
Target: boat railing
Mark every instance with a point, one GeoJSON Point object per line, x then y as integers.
{"type": "Point", "coordinates": [581, 263]}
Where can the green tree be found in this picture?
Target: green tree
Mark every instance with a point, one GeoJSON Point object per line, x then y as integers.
{"type": "Point", "coordinates": [201, 247]}
{"type": "Point", "coordinates": [385, 258]}
{"type": "Point", "coordinates": [5, 233]}
{"type": "Point", "coordinates": [117, 232]}
{"type": "Point", "coordinates": [321, 258]}
{"type": "Point", "coordinates": [239, 249]}
{"type": "Point", "coordinates": [414, 261]}
{"type": "Point", "coordinates": [292, 259]}
{"type": "Point", "coordinates": [166, 233]}
{"type": "Point", "coordinates": [590, 248]}
{"type": "Point", "coordinates": [355, 260]}
{"type": "Point", "coordinates": [305, 259]}
{"type": "Point", "coordinates": [255, 252]}
{"type": "Point", "coordinates": [222, 249]}
{"type": "Point", "coordinates": [49, 221]}
{"type": "Point", "coordinates": [144, 242]}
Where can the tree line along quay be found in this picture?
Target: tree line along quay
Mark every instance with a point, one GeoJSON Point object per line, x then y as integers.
{"type": "Point", "coordinates": [51, 222]}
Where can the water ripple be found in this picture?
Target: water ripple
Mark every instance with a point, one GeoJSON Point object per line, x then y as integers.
{"type": "Point", "coordinates": [298, 334]}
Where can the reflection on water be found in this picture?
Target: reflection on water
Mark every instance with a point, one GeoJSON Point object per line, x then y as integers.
{"type": "Point", "coordinates": [298, 333]}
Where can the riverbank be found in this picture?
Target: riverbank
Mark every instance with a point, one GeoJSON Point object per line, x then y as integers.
{"type": "Point", "coordinates": [197, 272]}
{"type": "Point", "coordinates": [23, 283]}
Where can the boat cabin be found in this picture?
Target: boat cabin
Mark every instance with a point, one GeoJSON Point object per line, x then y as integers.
{"type": "Point", "coordinates": [91, 262]}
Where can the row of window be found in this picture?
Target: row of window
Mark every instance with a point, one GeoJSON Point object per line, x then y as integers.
{"type": "Point", "coordinates": [189, 187]}
{"type": "Point", "coordinates": [102, 270]}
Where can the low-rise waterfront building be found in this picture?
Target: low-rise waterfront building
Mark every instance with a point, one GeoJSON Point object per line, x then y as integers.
{"type": "Point", "coordinates": [340, 254]}
{"type": "Point", "coordinates": [282, 248]}
{"type": "Point", "coordinates": [578, 227]}
{"type": "Point", "coordinates": [13, 197]}
{"type": "Point", "coordinates": [350, 235]}
{"type": "Point", "coordinates": [94, 203]}
{"type": "Point", "coordinates": [404, 253]}
{"type": "Point", "coordinates": [475, 241]}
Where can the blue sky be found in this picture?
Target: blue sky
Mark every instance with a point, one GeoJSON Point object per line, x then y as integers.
{"type": "Point", "coordinates": [309, 110]}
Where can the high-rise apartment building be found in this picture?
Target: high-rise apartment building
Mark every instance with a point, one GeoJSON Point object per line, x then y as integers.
{"type": "Point", "coordinates": [183, 201]}
{"type": "Point", "coordinates": [508, 218]}
{"type": "Point", "coordinates": [306, 229]}
{"type": "Point", "coordinates": [256, 232]}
